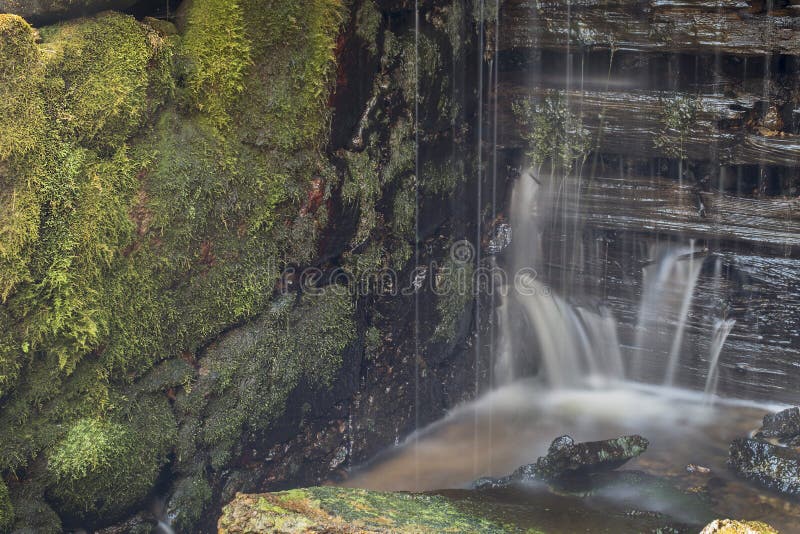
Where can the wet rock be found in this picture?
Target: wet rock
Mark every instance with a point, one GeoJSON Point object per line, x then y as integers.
{"type": "Point", "coordinates": [782, 425]}
{"type": "Point", "coordinates": [331, 509]}
{"type": "Point", "coordinates": [772, 466]}
{"type": "Point", "coordinates": [565, 457]}
{"type": "Point", "coordinates": [45, 11]}
{"type": "Point", "coordinates": [500, 238]}
{"type": "Point", "coordinates": [143, 522]}
{"type": "Point", "coordinates": [728, 526]}
{"type": "Point", "coordinates": [694, 468]}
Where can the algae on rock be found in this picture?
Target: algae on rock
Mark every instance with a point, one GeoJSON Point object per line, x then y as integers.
{"type": "Point", "coordinates": [143, 174]}
{"type": "Point", "coordinates": [332, 509]}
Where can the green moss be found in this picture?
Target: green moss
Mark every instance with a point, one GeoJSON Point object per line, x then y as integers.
{"type": "Point", "coordinates": [99, 77]}
{"type": "Point", "coordinates": [678, 116]}
{"type": "Point", "coordinates": [215, 56]}
{"type": "Point", "coordinates": [421, 63]}
{"type": "Point", "coordinates": [552, 132]}
{"type": "Point", "coordinates": [455, 289]}
{"type": "Point", "coordinates": [333, 509]}
{"type": "Point", "coordinates": [442, 178]}
{"type": "Point", "coordinates": [103, 467]}
{"type": "Point", "coordinates": [136, 225]}
{"type": "Point", "coordinates": [21, 71]}
{"type": "Point", "coordinates": [6, 508]}
{"type": "Point", "coordinates": [22, 121]}
{"type": "Point", "coordinates": [288, 86]}
{"type": "Point", "coordinates": [252, 371]}
{"type": "Point", "coordinates": [404, 209]}
{"type": "Point", "coordinates": [368, 24]}
{"type": "Point", "coordinates": [188, 501]}
{"type": "Point", "coordinates": [455, 27]}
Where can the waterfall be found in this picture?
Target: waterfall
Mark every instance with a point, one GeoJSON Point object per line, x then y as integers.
{"type": "Point", "coordinates": [722, 328]}
{"type": "Point", "coordinates": [571, 344]}
{"type": "Point", "coordinates": [574, 343]}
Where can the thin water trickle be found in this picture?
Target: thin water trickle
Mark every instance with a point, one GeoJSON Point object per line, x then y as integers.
{"type": "Point", "coordinates": [722, 329]}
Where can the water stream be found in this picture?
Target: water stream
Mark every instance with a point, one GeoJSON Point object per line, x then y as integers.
{"type": "Point", "coordinates": [635, 298]}
{"type": "Point", "coordinates": [561, 369]}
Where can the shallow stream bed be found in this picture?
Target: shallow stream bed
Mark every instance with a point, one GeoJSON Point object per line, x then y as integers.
{"type": "Point", "coordinates": [515, 424]}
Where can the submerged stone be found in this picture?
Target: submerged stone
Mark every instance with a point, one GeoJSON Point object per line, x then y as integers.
{"type": "Point", "coordinates": [565, 457]}
{"type": "Point", "coordinates": [782, 425]}
{"type": "Point", "coordinates": [772, 466]}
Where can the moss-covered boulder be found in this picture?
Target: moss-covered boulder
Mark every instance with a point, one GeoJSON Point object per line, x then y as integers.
{"type": "Point", "coordinates": [729, 526]}
{"type": "Point", "coordinates": [6, 508]}
{"type": "Point", "coordinates": [102, 468]}
{"type": "Point", "coordinates": [53, 10]}
{"type": "Point", "coordinates": [331, 509]}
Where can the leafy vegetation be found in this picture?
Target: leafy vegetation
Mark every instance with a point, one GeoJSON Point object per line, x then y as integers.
{"type": "Point", "coordinates": [552, 132]}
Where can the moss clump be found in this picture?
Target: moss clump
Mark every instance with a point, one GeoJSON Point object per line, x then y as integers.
{"type": "Point", "coordinates": [21, 71]}
{"type": "Point", "coordinates": [103, 467]}
{"type": "Point", "coordinates": [251, 372]}
{"type": "Point", "coordinates": [22, 122]}
{"type": "Point", "coordinates": [728, 526]}
{"type": "Point", "coordinates": [138, 221]}
{"type": "Point", "coordinates": [332, 509]}
{"type": "Point", "coordinates": [552, 132]}
{"type": "Point", "coordinates": [456, 291]}
{"type": "Point", "coordinates": [678, 115]}
{"type": "Point", "coordinates": [442, 178]}
{"type": "Point", "coordinates": [368, 24]}
{"type": "Point", "coordinates": [215, 56]}
{"type": "Point", "coordinates": [188, 501]}
{"type": "Point", "coordinates": [101, 82]}
{"type": "Point", "coordinates": [288, 86]}
{"type": "Point", "coordinates": [6, 509]}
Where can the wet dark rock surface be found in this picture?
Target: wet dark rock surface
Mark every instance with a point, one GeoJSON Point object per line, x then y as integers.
{"type": "Point", "coordinates": [783, 425]}
{"type": "Point", "coordinates": [569, 460]}
{"type": "Point", "coordinates": [772, 466]}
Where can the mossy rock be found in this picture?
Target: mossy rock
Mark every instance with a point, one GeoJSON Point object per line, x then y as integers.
{"type": "Point", "coordinates": [331, 509]}
{"type": "Point", "coordinates": [53, 10]}
{"type": "Point", "coordinates": [103, 468]}
{"type": "Point", "coordinates": [107, 75]}
{"type": "Point", "coordinates": [729, 526]}
{"type": "Point", "coordinates": [6, 509]}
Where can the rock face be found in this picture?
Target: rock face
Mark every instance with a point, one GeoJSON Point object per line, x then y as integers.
{"type": "Point", "coordinates": [773, 466]}
{"type": "Point", "coordinates": [329, 509]}
{"type": "Point", "coordinates": [52, 10]}
{"type": "Point", "coordinates": [783, 425]}
{"type": "Point", "coordinates": [728, 526]}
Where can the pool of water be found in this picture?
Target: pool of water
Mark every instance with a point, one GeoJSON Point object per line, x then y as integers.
{"type": "Point", "coordinates": [516, 423]}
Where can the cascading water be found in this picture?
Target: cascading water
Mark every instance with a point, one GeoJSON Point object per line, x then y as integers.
{"type": "Point", "coordinates": [575, 344]}
{"type": "Point", "coordinates": [722, 328]}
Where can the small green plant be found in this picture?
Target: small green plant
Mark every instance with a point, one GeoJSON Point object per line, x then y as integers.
{"type": "Point", "coordinates": [678, 115]}
{"type": "Point", "coordinates": [552, 132]}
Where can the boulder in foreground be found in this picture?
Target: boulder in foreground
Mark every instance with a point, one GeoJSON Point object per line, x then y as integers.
{"type": "Point", "coordinates": [46, 11]}
{"type": "Point", "coordinates": [340, 510]}
{"type": "Point", "coordinates": [728, 526]}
